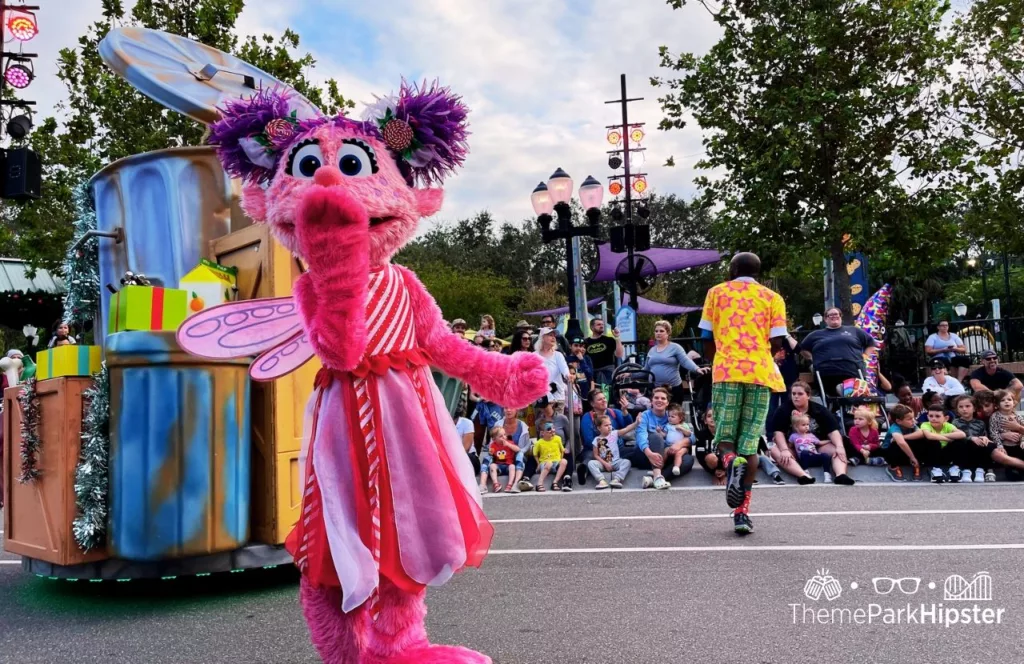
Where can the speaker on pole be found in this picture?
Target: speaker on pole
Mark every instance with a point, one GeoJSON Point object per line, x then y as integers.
{"type": "Point", "coordinates": [23, 175]}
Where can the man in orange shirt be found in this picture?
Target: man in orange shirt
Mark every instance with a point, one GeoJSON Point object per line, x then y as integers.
{"type": "Point", "coordinates": [744, 324]}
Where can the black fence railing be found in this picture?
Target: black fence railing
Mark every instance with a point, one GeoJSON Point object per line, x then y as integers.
{"type": "Point", "coordinates": [904, 354]}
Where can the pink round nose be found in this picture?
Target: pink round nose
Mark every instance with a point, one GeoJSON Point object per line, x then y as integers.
{"type": "Point", "coordinates": [328, 176]}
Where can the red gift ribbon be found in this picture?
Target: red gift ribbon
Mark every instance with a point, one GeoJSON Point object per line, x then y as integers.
{"type": "Point", "coordinates": [156, 315]}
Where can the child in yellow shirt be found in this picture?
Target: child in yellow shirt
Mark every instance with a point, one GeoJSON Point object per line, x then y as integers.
{"type": "Point", "coordinates": [550, 456]}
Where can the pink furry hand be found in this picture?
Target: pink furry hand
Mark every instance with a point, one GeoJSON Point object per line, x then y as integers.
{"type": "Point", "coordinates": [528, 380]}
{"type": "Point", "coordinates": [331, 224]}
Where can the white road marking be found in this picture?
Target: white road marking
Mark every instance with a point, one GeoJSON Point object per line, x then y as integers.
{"type": "Point", "coordinates": [10, 562]}
{"type": "Point", "coordinates": [781, 547]}
{"type": "Point", "coordinates": [728, 515]}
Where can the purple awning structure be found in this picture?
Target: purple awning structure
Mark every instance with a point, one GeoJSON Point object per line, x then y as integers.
{"type": "Point", "coordinates": [644, 307]}
{"type": "Point", "coordinates": [591, 304]}
{"type": "Point", "coordinates": [660, 260]}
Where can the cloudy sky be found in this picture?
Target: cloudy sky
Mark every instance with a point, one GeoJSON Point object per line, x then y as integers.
{"type": "Point", "coordinates": [535, 73]}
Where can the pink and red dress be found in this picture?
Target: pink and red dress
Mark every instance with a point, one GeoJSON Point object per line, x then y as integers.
{"type": "Point", "coordinates": [388, 488]}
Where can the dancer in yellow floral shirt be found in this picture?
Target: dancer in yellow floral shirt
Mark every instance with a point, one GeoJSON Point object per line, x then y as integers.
{"type": "Point", "coordinates": [744, 323]}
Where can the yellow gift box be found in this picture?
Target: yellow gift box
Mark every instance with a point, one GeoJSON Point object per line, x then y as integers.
{"type": "Point", "coordinates": [70, 360]}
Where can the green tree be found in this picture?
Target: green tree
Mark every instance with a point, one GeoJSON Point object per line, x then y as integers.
{"type": "Point", "coordinates": [106, 119]}
{"type": "Point", "coordinates": [469, 295]}
{"type": "Point", "coordinates": [822, 120]}
{"type": "Point", "coordinates": [987, 100]}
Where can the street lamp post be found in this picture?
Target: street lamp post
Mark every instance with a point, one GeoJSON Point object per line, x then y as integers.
{"type": "Point", "coordinates": [555, 196]}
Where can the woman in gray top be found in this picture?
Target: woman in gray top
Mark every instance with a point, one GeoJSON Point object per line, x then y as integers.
{"type": "Point", "coordinates": [665, 358]}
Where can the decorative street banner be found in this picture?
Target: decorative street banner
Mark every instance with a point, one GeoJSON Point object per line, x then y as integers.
{"type": "Point", "coordinates": [857, 268]}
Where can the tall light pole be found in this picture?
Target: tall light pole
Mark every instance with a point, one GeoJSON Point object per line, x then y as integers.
{"type": "Point", "coordinates": [628, 237]}
{"type": "Point", "coordinates": [554, 197]}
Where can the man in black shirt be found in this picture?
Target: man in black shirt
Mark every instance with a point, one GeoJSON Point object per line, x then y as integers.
{"type": "Point", "coordinates": [991, 376]}
{"type": "Point", "coordinates": [837, 351]}
{"type": "Point", "coordinates": [602, 351]}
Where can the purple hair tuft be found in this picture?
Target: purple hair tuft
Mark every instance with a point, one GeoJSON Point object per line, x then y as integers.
{"type": "Point", "coordinates": [438, 120]}
{"type": "Point", "coordinates": [241, 121]}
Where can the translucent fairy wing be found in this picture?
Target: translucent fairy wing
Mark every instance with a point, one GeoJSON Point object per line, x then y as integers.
{"type": "Point", "coordinates": [282, 359]}
{"type": "Point", "coordinates": [240, 329]}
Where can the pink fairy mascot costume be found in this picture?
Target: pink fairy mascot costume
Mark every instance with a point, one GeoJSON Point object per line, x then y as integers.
{"type": "Point", "coordinates": [390, 503]}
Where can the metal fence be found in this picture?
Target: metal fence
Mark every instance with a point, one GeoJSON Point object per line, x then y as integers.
{"type": "Point", "coordinates": [904, 354]}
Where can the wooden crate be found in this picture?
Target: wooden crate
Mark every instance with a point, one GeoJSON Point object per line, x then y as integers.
{"type": "Point", "coordinates": [38, 514]}
{"type": "Point", "coordinates": [267, 269]}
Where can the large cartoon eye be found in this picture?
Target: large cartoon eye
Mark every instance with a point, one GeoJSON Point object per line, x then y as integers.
{"type": "Point", "coordinates": [304, 160]}
{"type": "Point", "coordinates": [356, 159]}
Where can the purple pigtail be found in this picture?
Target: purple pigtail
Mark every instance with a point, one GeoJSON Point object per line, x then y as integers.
{"type": "Point", "coordinates": [252, 132]}
{"type": "Point", "coordinates": [425, 127]}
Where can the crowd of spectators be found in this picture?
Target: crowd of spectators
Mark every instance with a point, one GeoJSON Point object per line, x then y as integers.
{"type": "Point", "coordinates": [963, 426]}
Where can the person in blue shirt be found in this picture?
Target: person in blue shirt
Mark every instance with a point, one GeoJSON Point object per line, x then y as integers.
{"type": "Point", "coordinates": [651, 431]}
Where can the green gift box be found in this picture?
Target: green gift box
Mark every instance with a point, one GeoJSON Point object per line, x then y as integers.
{"type": "Point", "coordinates": [147, 308]}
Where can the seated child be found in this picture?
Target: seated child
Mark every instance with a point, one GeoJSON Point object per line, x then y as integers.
{"type": "Point", "coordinates": [932, 399]}
{"type": "Point", "coordinates": [1006, 420]}
{"type": "Point", "coordinates": [606, 456]}
{"type": "Point", "coordinates": [678, 441]}
{"type": "Point", "coordinates": [864, 437]}
{"type": "Point", "coordinates": [806, 445]}
{"type": "Point", "coordinates": [903, 431]}
{"type": "Point", "coordinates": [950, 439]}
{"type": "Point", "coordinates": [978, 454]}
{"type": "Point", "coordinates": [503, 458]}
{"type": "Point", "coordinates": [704, 449]}
{"type": "Point", "coordinates": [550, 457]}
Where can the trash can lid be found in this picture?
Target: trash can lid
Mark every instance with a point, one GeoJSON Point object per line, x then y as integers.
{"type": "Point", "coordinates": [186, 76]}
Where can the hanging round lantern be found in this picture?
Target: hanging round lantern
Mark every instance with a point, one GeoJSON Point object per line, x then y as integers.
{"type": "Point", "coordinates": [636, 134]}
{"type": "Point", "coordinates": [615, 187]}
{"type": "Point", "coordinates": [640, 184]}
{"type": "Point", "coordinates": [614, 136]}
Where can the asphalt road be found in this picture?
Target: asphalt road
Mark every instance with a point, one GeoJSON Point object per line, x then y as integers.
{"type": "Point", "coordinates": [625, 577]}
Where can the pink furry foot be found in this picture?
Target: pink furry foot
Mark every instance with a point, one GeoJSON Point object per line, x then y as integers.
{"type": "Point", "coordinates": [336, 635]}
{"type": "Point", "coordinates": [430, 654]}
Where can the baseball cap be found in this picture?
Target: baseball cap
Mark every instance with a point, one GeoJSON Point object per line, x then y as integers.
{"type": "Point", "coordinates": [985, 354]}
{"type": "Point", "coordinates": [548, 426]}
{"type": "Point", "coordinates": [937, 362]}
{"type": "Point", "coordinates": [458, 321]}
{"type": "Point", "coordinates": [576, 340]}
{"type": "Point", "coordinates": [542, 402]}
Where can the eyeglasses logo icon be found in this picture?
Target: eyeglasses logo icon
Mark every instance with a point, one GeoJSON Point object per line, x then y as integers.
{"type": "Point", "coordinates": [884, 585]}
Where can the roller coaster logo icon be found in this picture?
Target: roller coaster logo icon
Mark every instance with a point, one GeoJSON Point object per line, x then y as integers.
{"type": "Point", "coordinates": [978, 589]}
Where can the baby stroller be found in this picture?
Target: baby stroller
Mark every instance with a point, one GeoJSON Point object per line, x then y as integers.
{"type": "Point", "coordinates": [627, 378]}
{"type": "Point", "coordinates": [851, 394]}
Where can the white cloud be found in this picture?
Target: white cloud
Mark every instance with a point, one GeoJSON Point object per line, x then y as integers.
{"type": "Point", "coordinates": [535, 74]}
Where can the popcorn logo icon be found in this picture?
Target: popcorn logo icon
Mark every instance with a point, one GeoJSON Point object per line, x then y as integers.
{"type": "Point", "coordinates": [824, 585]}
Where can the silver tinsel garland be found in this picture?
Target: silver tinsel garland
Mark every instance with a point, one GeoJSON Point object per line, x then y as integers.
{"type": "Point", "coordinates": [82, 265]}
{"type": "Point", "coordinates": [30, 442]}
{"type": "Point", "coordinates": [92, 473]}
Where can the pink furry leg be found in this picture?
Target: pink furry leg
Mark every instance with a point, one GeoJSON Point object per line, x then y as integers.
{"type": "Point", "coordinates": [337, 636]}
{"type": "Point", "coordinates": [400, 637]}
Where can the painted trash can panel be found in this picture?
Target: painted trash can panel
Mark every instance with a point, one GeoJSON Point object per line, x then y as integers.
{"type": "Point", "coordinates": [170, 204]}
{"type": "Point", "coordinates": [180, 450]}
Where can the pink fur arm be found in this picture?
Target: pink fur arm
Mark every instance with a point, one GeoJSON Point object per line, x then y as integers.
{"type": "Point", "coordinates": [509, 380]}
{"type": "Point", "coordinates": [332, 230]}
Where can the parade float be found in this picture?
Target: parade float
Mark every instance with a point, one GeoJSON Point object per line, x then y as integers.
{"type": "Point", "coordinates": [131, 458]}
